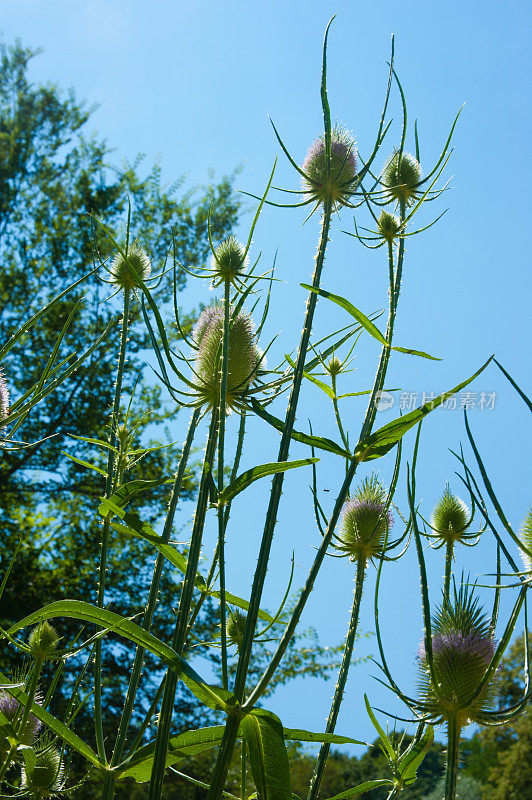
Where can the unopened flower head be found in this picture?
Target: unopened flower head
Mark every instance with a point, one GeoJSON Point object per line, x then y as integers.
{"type": "Point", "coordinates": [366, 522]}
{"type": "Point", "coordinates": [229, 261]}
{"type": "Point", "coordinates": [401, 178]}
{"type": "Point", "coordinates": [43, 641]}
{"type": "Point", "coordinates": [389, 226]}
{"type": "Point", "coordinates": [235, 626]}
{"type": "Point", "coordinates": [46, 777]}
{"type": "Point", "coordinates": [333, 181]}
{"type": "Point", "coordinates": [4, 399]}
{"type": "Point", "coordinates": [526, 538]}
{"type": "Point", "coordinates": [12, 710]}
{"type": "Point", "coordinates": [462, 648]}
{"type": "Point", "coordinates": [334, 367]}
{"type": "Point", "coordinates": [450, 518]}
{"type": "Point", "coordinates": [243, 360]}
{"type": "Point", "coordinates": [126, 270]}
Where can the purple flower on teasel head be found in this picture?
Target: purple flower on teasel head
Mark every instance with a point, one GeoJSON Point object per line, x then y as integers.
{"type": "Point", "coordinates": [11, 708]}
{"type": "Point", "coordinates": [336, 184]}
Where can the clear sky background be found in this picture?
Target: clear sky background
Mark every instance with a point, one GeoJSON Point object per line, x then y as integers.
{"type": "Point", "coordinates": [192, 84]}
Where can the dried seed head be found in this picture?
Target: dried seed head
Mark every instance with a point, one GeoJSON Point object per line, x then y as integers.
{"type": "Point", "coordinates": [450, 518]}
{"type": "Point", "coordinates": [12, 710]}
{"type": "Point", "coordinates": [235, 626]}
{"type": "Point", "coordinates": [46, 778]}
{"type": "Point", "coordinates": [401, 178]}
{"type": "Point", "coordinates": [244, 355]}
{"type": "Point", "coordinates": [336, 183]}
{"type": "Point", "coordinates": [43, 641]}
{"type": "Point", "coordinates": [229, 261]}
{"type": "Point", "coordinates": [366, 522]}
{"type": "Point", "coordinates": [526, 538]}
{"type": "Point", "coordinates": [126, 270]}
{"type": "Point", "coordinates": [462, 648]}
{"type": "Point", "coordinates": [389, 226]}
{"type": "Point", "coordinates": [4, 399]}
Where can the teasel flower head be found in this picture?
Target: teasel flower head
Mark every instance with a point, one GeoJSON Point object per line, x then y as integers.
{"type": "Point", "coordinates": [229, 262]}
{"type": "Point", "coordinates": [235, 626]}
{"type": "Point", "coordinates": [334, 366]}
{"type": "Point", "coordinates": [47, 777]}
{"type": "Point", "coordinates": [334, 181]}
{"type": "Point", "coordinates": [526, 538]}
{"type": "Point", "coordinates": [366, 522]}
{"type": "Point", "coordinates": [401, 178]}
{"type": "Point", "coordinates": [4, 399]}
{"type": "Point", "coordinates": [389, 226]}
{"type": "Point", "coordinates": [244, 356]}
{"type": "Point", "coordinates": [125, 271]}
{"type": "Point", "coordinates": [450, 519]}
{"type": "Point", "coordinates": [43, 642]}
{"type": "Point", "coordinates": [12, 710]}
{"type": "Point", "coordinates": [462, 649]}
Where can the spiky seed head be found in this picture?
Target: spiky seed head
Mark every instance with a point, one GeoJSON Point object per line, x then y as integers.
{"type": "Point", "coordinates": [389, 226]}
{"type": "Point", "coordinates": [366, 522]}
{"type": "Point", "coordinates": [243, 356]}
{"type": "Point", "coordinates": [43, 641]}
{"type": "Point", "coordinates": [4, 399]}
{"type": "Point", "coordinates": [11, 709]}
{"type": "Point", "coordinates": [401, 177]}
{"type": "Point", "coordinates": [229, 260]}
{"type": "Point", "coordinates": [125, 269]}
{"type": "Point", "coordinates": [526, 538]}
{"type": "Point", "coordinates": [462, 648]}
{"type": "Point", "coordinates": [235, 626]}
{"type": "Point", "coordinates": [334, 367]}
{"type": "Point", "coordinates": [450, 518]}
{"type": "Point", "coordinates": [46, 778]}
{"type": "Point", "coordinates": [336, 183]}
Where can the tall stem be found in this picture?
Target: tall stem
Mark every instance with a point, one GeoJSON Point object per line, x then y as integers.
{"type": "Point", "coordinates": [448, 567]}
{"type": "Point", "coordinates": [185, 601]}
{"type": "Point", "coordinates": [342, 679]}
{"type": "Point", "coordinates": [147, 620]}
{"type": "Point", "coordinates": [98, 718]}
{"type": "Point", "coordinates": [229, 737]}
{"type": "Point", "coordinates": [221, 510]}
{"type": "Point", "coordinates": [453, 753]}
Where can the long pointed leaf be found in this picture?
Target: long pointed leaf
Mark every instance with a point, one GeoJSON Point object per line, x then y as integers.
{"type": "Point", "coordinates": [261, 471]}
{"type": "Point", "coordinates": [263, 732]}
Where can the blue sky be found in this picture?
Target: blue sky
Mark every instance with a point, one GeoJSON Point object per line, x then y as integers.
{"type": "Point", "coordinates": [193, 84]}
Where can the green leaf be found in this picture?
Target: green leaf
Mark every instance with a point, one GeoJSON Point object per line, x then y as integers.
{"type": "Point", "coordinates": [263, 732]}
{"type": "Point", "coordinates": [386, 744]}
{"type": "Point", "coordinates": [84, 463]}
{"type": "Point", "coordinates": [382, 441]}
{"type": "Point", "coordinates": [319, 442]}
{"type": "Point", "coordinates": [300, 735]}
{"type": "Point", "coordinates": [410, 762]}
{"type": "Point", "coordinates": [251, 475]}
{"type": "Point", "coordinates": [128, 491]}
{"type": "Point", "coordinates": [211, 696]}
{"type": "Point", "coordinates": [320, 384]}
{"type": "Point", "coordinates": [53, 724]}
{"type": "Point", "coordinates": [180, 747]}
{"type": "Point", "coordinates": [363, 787]}
{"type": "Point", "coordinates": [365, 322]}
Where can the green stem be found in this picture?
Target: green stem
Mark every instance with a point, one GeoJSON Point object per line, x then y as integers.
{"type": "Point", "coordinates": [98, 718]}
{"type": "Point", "coordinates": [230, 733]}
{"type": "Point", "coordinates": [453, 752]}
{"type": "Point", "coordinates": [185, 602]}
{"type": "Point", "coordinates": [448, 567]}
{"type": "Point", "coordinates": [136, 670]}
{"type": "Point", "coordinates": [342, 679]}
{"type": "Point", "coordinates": [221, 510]}
{"type": "Point", "coordinates": [243, 772]}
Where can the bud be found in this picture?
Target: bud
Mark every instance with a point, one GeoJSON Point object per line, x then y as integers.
{"type": "Point", "coordinates": [11, 709]}
{"type": "Point", "coordinates": [462, 648]}
{"type": "Point", "coordinates": [243, 355]}
{"type": "Point", "coordinates": [334, 367]}
{"type": "Point", "coordinates": [401, 178]}
{"type": "Point", "coordinates": [46, 777]}
{"type": "Point", "coordinates": [526, 538]}
{"type": "Point", "coordinates": [228, 261]}
{"type": "Point", "coordinates": [4, 399]}
{"type": "Point", "coordinates": [389, 226]}
{"type": "Point", "coordinates": [450, 518]}
{"type": "Point", "coordinates": [366, 522]}
{"type": "Point", "coordinates": [235, 626]}
{"type": "Point", "coordinates": [123, 268]}
{"type": "Point", "coordinates": [337, 184]}
{"type": "Point", "coordinates": [43, 641]}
